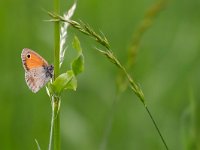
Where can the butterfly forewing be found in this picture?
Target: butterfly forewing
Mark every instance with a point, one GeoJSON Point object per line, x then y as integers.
{"type": "Point", "coordinates": [31, 59]}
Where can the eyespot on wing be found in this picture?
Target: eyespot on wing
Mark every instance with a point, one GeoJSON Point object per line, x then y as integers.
{"type": "Point", "coordinates": [31, 59]}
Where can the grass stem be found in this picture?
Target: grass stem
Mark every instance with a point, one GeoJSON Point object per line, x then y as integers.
{"type": "Point", "coordinates": [109, 123]}
{"type": "Point", "coordinates": [52, 126]}
{"type": "Point", "coordinates": [55, 125]}
{"type": "Point", "coordinates": [87, 30]}
{"type": "Point", "coordinates": [56, 114]}
{"type": "Point", "coordinates": [56, 40]}
{"type": "Point", "coordinates": [154, 123]}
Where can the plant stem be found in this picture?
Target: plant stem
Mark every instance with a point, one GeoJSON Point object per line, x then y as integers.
{"type": "Point", "coordinates": [52, 125]}
{"type": "Point", "coordinates": [56, 114]}
{"type": "Point", "coordinates": [154, 123]}
{"type": "Point", "coordinates": [55, 124]}
{"type": "Point", "coordinates": [108, 53]}
{"type": "Point", "coordinates": [38, 146]}
{"type": "Point", "coordinates": [56, 40]}
{"type": "Point", "coordinates": [56, 100]}
{"type": "Point", "coordinates": [108, 127]}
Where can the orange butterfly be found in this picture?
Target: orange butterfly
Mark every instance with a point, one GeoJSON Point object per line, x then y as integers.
{"type": "Point", "coordinates": [37, 71]}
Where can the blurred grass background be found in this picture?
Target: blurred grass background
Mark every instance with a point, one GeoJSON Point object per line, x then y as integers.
{"type": "Point", "coordinates": [167, 68]}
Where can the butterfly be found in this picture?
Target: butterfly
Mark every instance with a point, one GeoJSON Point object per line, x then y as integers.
{"type": "Point", "coordinates": [37, 71]}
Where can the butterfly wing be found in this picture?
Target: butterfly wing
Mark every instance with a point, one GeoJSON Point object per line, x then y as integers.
{"type": "Point", "coordinates": [31, 59]}
{"type": "Point", "coordinates": [36, 78]}
{"type": "Point", "coordinates": [36, 72]}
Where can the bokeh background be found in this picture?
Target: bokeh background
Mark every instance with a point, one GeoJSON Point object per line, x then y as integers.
{"type": "Point", "coordinates": [167, 67]}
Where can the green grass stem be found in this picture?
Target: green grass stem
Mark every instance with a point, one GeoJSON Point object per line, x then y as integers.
{"type": "Point", "coordinates": [52, 126]}
{"type": "Point", "coordinates": [108, 127]}
{"type": "Point", "coordinates": [56, 40]}
{"type": "Point", "coordinates": [155, 125]}
{"type": "Point", "coordinates": [121, 81]}
{"type": "Point", "coordinates": [86, 29]}
{"type": "Point", "coordinates": [56, 127]}
{"type": "Point", "coordinates": [55, 121]}
{"type": "Point", "coordinates": [145, 25]}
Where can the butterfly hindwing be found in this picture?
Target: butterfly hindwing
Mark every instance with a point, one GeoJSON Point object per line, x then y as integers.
{"type": "Point", "coordinates": [36, 78]}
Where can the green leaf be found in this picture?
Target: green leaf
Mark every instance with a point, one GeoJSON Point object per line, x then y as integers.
{"type": "Point", "coordinates": [78, 65]}
{"type": "Point", "coordinates": [76, 45]}
{"type": "Point", "coordinates": [61, 82]}
{"type": "Point", "coordinates": [72, 85]}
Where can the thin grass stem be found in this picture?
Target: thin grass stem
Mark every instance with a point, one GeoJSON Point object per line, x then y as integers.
{"type": "Point", "coordinates": [154, 123]}
{"type": "Point", "coordinates": [145, 24]}
{"type": "Point", "coordinates": [108, 128]}
{"type": "Point", "coordinates": [56, 40]}
{"type": "Point", "coordinates": [52, 126]}
{"type": "Point", "coordinates": [38, 145]}
{"type": "Point", "coordinates": [87, 30]}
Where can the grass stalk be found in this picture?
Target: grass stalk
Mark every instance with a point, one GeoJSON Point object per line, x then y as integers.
{"type": "Point", "coordinates": [56, 127]}
{"type": "Point", "coordinates": [55, 121]}
{"type": "Point", "coordinates": [145, 25]}
{"type": "Point", "coordinates": [108, 127]}
{"type": "Point", "coordinates": [52, 126]}
{"type": "Point", "coordinates": [155, 125]}
{"type": "Point", "coordinates": [101, 39]}
{"type": "Point", "coordinates": [56, 40]}
{"type": "Point", "coordinates": [121, 81]}
{"type": "Point", "coordinates": [38, 145]}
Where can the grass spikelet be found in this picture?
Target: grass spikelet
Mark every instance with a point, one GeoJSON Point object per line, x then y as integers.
{"type": "Point", "coordinates": [63, 32]}
{"type": "Point", "coordinates": [86, 29]}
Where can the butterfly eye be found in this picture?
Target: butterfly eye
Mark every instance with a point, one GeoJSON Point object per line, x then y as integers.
{"type": "Point", "coordinates": [28, 56]}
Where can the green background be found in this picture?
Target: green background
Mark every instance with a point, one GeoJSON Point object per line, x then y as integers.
{"type": "Point", "coordinates": [167, 68]}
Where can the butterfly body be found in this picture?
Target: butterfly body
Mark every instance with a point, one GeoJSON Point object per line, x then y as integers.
{"type": "Point", "coordinates": [37, 71]}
